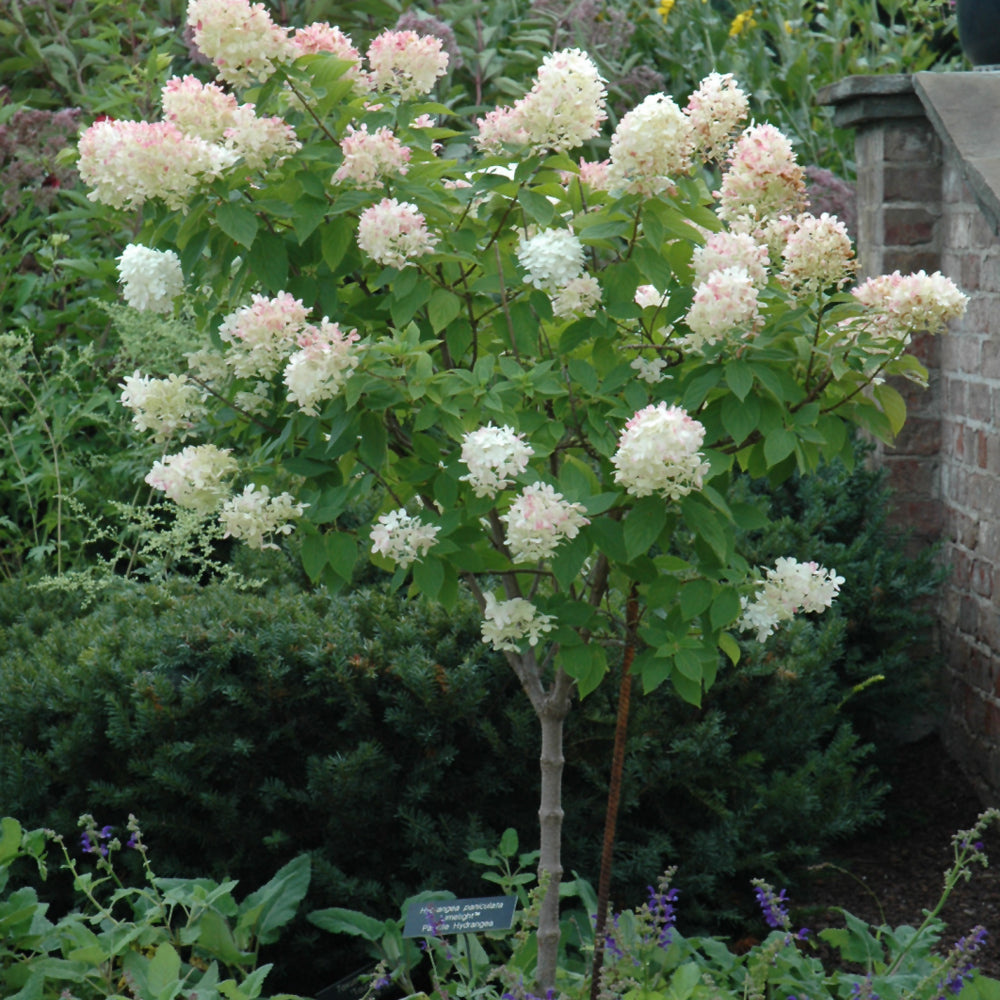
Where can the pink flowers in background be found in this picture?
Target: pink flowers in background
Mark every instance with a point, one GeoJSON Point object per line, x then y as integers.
{"type": "Point", "coordinates": [788, 588]}
{"type": "Point", "coordinates": [402, 538]}
{"type": "Point", "coordinates": [725, 301]}
{"type": "Point", "coordinates": [255, 517]}
{"type": "Point", "coordinates": [564, 108]}
{"type": "Point", "coordinates": [494, 456]}
{"type": "Point", "coordinates": [506, 624]}
{"type": "Point", "coordinates": [370, 157]}
{"type": "Point", "coordinates": [393, 233]}
{"type": "Point", "coordinates": [195, 478]}
{"type": "Point", "coordinates": [726, 249]}
{"type": "Point", "coordinates": [405, 63]}
{"type": "Point", "coordinates": [652, 146]}
{"type": "Point", "coordinates": [150, 279]}
{"type": "Point", "coordinates": [818, 254]}
{"type": "Point", "coordinates": [240, 38]}
{"type": "Point", "coordinates": [538, 520]}
{"type": "Point", "coordinates": [318, 370]}
{"type": "Point", "coordinates": [658, 453]}
{"type": "Point", "coordinates": [323, 37]}
{"type": "Point", "coordinates": [263, 334]}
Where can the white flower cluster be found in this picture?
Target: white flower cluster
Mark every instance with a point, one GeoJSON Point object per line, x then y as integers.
{"type": "Point", "coordinates": [552, 258]}
{"type": "Point", "coordinates": [402, 538]}
{"type": "Point", "coordinates": [255, 516]}
{"type": "Point", "coordinates": [817, 254]}
{"type": "Point", "coordinates": [494, 456]}
{"type": "Point", "coordinates": [726, 300]}
{"type": "Point", "coordinates": [194, 478]}
{"type": "Point", "coordinates": [538, 520]}
{"type": "Point", "coordinates": [150, 279]}
{"type": "Point", "coordinates": [162, 405]}
{"type": "Point", "coordinates": [652, 145]}
{"type": "Point", "coordinates": [318, 371]}
{"type": "Point", "coordinates": [788, 588]}
{"type": "Point", "coordinates": [508, 623]}
{"type": "Point", "coordinates": [658, 453]}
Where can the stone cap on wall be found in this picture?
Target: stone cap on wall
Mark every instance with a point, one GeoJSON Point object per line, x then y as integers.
{"type": "Point", "coordinates": [962, 107]}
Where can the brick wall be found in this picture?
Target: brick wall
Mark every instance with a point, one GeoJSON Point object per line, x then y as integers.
{"type": "Point", "coordinates": [924, 204]}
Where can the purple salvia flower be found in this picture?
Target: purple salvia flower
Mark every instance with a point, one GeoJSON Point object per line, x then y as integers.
{"type": "Point", "coordinates": [772, 905]}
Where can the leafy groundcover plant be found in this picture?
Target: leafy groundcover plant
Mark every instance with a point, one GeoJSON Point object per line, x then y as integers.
{"type": "Point", "coordinates": [548, 371]}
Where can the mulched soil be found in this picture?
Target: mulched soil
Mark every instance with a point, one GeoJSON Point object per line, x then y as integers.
{"type": "Point", "coordinates": [901, 864]}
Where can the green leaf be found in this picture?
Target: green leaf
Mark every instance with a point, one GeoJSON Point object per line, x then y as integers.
{"type": "Point", "coordinates": [688, 689]}
{"type": "Point", "coordinates": [341, 553]}
{"type": "Point", "coordinates": [10, 839]}
{"type": "Point", "coordinates": [739, 378]}
{"type": "Point", "coordinates": [536, 206]}
{"type": "Point", "coordinates": [337, 920]}
{"type": "Point", "coordinates": [372, 446]}
{"type": "Point", "coordinates": [740, 417]}
{"type": "Point", "coordinates": [335, 237]}
{"type": "Point", "coordinates": [696, 596]}
{"type": "Point", "coordinates": [725, 607]}
{"type": "Point", "coordinates": [237, 222]}
{"type": "Point", "coordinates": [273, 905]}
{"type": "Point", "coordinates": [893, 405]}
{"type": "Point", "coordinates": [586, 664]}
{"type": "Point", "coordinates": [428, 576]}
{"type": "Point", "coordinates": [313, 556]}
{"type": "Point", "coordinates": [508, 842]}
{"type": "Point", "coordinates": [643, 525]}
{"type": "Point", "coordinates": [707, 525]}
{"type": "Point", "coordinates": [442, 308]}
{"type": "Point", "coordinates": [268, 262]}
{"type": "Point", "coordinates": [778, 445]}
{"type": "Point", "coordinates": [607, 535]}
{"type": "Point", "coordinates": [730, 647]}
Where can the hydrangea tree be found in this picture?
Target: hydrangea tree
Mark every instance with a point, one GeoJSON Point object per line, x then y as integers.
{"type": "Point", "coordinates": [548, 370]}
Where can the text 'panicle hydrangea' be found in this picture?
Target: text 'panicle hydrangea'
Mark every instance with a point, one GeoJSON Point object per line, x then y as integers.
{"type": "Point", "coordinates": [552, 258]}
{"type": "Point", "coordinates": [564, 108]}
{"type": "Point", "coordinates": [899, 305]}
{"type": "Point", "coordinates": [164, 406]}
{"type": "Point", "coordinates": [506, 624]}
{"type": "Point", "coordinates": [652, 146]}
{"type": "Point", "coordinates": [194, 478]}
{"type": "Point", "coordinates": [240, 38]}
{"type": "Point", "coordinates": [726, 300]}
{"type": "Point", "coordinates": [403, 538]}
{"type": "Point", "coordinates": [319, 369]}
{"type": "Point", "coordinates": [323, 37]}
{"type": "Point", "coordinates": [716, 110]}
{"type": "Point", "coordinates": [393, 233]}
{"type": "Point", "coordinates": [126, 163]}
{"type": "Point", "coordinates": [788, 588]}
{"type": "Point", "coordinates": [405, 63]}
{"type": "Point", "coordinates": [494, 456]}
{"type": "Point", "coordinates": [255, 517]}
{"type": "Point", "coordinates": [369, 157]}
{"type": "Point", "coordinates": [540, 519]}
{"type": "Point", "coordinates": [818, 254]}
{"type": "Point", "coordinates": [263, 335]}
{"type": "Point", "coordinates": [150, 279]}
{"type": "Point", "coordinates": [658, 453]}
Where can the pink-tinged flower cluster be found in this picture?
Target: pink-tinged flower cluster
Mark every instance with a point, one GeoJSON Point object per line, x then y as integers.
{"type": "Point", "coordinates": [540, 519]}
{"type": "Point", "coordinates": [207, 112]}
{"type": "Point", "coordinates": [594, 174]}
{"type": "Point", "coordinates": [194, 478]}
{"type": "Point", "coordinates": [578, 298]}
{"type": "Point", "coordinates": [405, 63]}
{"type": "Point", "coordinates": [323, 37]}
{"type": "Point", "coordinates": [818, 254]}
{"type": "Point", "coordinates": [393, 233]}
{"type": "Point", "coordinates": [899, 305]}
{"type": "Point", "coordinates": [564, 108]}
{"type": "Point", "coordinates": [494, 456]}
{"type": "Point", "coordinates": [255, 517]}
{"type": "Point", "coordinates": [652, 145]}
{"type": "Point", "coordinates": [650, 297]}
{"type": "Point", "coordinates": [163, 406]}
{"type": "Point", "coordinates": [762, 181]}
{"type": "Point", "coordinates": [552, 258]}
{"type": "Point", "coordinates": [263, 334]}
{"type": "Point", "coordinates": [370, 157]}
{"type": "Point", "coordinates": [240, 38]}
{"type": "Point", "coordinates": [788, 588]}
{"type": "Point", "coordinates": [716, 110]}
{"type": "Point", "coordinates": [323, 364]}
{"type": "Point", "coordinates": [127, 163]}
{"type": "Point", "coordinates": [150, 279]}
{"type": "Point", "coordinates": [658, 453]}
{"type": "Point", "coordinates": [506, 624]}
{"type": "Point", "coordinates": [726, 249]}
{"type": "Point", "coordinates": [726, 300]}
{"type": "Point", "coordinates": [403, 538]}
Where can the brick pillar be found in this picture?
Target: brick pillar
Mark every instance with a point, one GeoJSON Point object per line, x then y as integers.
{"type": "Point", "coordinates": [899, 191]}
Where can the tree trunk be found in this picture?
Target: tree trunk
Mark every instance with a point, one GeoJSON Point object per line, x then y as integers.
{"type": "Point", "coordinates": [550, 815]}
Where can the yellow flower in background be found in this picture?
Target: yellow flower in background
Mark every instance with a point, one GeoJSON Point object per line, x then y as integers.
{"type": "Point", "coordinates": [666, 6]}
{"type": "Point", "coordinates": [742, 22]}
